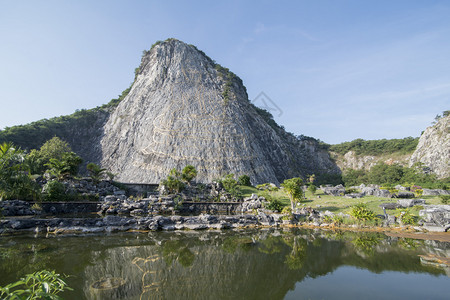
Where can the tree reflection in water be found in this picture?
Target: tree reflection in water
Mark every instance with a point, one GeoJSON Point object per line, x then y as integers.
{"type": "Point", "coordinates": [262, 264]}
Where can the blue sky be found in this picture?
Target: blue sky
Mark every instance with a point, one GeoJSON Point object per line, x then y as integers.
{"type": "Point", "coordinates": [338, 70]}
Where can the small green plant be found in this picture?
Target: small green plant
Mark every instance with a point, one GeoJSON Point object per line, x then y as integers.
{"type": "Point", "coordinates": [362, 213]}
{"type": "Point", "coordinates": [173, 182]}
{"type": "Point", "coordinates": [406, 217]}
{"type": "Point", "coordinates": [96, 172]}
{"type": "Point", "coordinates": [337, 220]}
{"type": "Point", "coordinates": [350, 191]}
{"type": "Point", "coordinates": [244, 180]}
{"type": "Point", "coordinates": [275, 205]}
{"type": "Point", "coordinates": [39, 285]}
{"type": "Point", "coordinates": [188, 174]}
{"type": "Point", "coordinates": [312, 189]}
{"type": "Point", "coordinates": [267, 187]}
{"type": "Point", "coordinates": [286, 210]}
{"type": "Point", "coordinates": [444, 198]}
{"type": "Point", "coordinates": [110, 175]}
{"type": "Point", "coordinates": [54, 191]}
{"type": "Point", "coordinates": [36, 206]}
{"type": "Point", "coordinates": [327, 219]}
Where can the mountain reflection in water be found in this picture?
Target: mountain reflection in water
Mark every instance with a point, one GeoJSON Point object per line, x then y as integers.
{"type": "Point", "coordinates": [247, 264]}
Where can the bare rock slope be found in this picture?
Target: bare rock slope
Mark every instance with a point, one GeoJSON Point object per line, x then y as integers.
{"type": "Point", "coordinates": [433, 149]}
{"type": "Point", "coordinates": [185, 109]}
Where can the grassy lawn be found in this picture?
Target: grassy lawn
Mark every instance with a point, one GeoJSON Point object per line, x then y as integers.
{"type": "Point", "coordinates": [323, 202]}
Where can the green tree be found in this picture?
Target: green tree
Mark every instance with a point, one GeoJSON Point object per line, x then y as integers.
{"type": "Point", "coordinates": [54, 148]}
{"type": "Point", "coordinates": [15, 181]}
{"type": "Point", "coordinates": [96, 172]}
{"type": "Point", "coordinates": [173, 182]}
{"type": "Point", "coordinates": [244, 180]}
{"type": "Point", "coordinates": [231, 185]}
{"type": "Point", "coordinates": [68, 164]}
{"type": "Point", "coordinates": [312, 188]}
{"type": "Point", "coordinates": [293, 187]}
{"type": "Point", "coordinates": [188, 174]}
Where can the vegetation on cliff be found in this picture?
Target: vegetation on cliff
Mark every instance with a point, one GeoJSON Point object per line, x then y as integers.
{"type": "Point", "coordinates": [377, 147]}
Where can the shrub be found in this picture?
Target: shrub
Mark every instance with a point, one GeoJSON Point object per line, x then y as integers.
{"type": "Point", "coordinates": [267, 186]}
{"type": "Point", "coordinates": [96, 173]}
{"type": "Point", "coordinates": [312, 189]}
{"type": "Point", "coordinates": [286, 210]}
{"type": "Point", "coordinates": [406, 216]}
{"type": "Point", "coordinates": [350, 191]}
{"type": "Point", "coordinates": [54, 191]}
{"type": "Point", "coordinates": [244, 180]}
{"type": "Point", "coordinates": [231, 185]}
{"type": "Point", "coordinates": [444, 198]}
{"type": "Point", "coordinates": [275, 205]}
{"type": "Point", "coordinates": [188, 174]}
{"type": "Point", "coordinates": [362, 213]}
{"type": "Point", "coordinates": [39, 285]}
{"type": "Point", "coordinates": [173, 182]}
{"type": "Point", "coordinates": [338, 220]}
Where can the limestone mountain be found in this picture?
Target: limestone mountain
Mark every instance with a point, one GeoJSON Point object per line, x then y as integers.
{"type": "Point", "coordinates": [433, 149]}
{"type": "Point", "coordinates": [182, 109]}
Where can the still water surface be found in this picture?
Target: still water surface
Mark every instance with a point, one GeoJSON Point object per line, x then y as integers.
{"type": "Point", "coordinates": [247, 264]}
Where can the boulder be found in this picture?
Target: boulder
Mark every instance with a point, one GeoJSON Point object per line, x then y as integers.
{"type": "Point", "coordinates": [410, 202]}
{"type": "Point", "coordinates": [436, 215]}
{"type": "Point", "coordinates": [405, 195]}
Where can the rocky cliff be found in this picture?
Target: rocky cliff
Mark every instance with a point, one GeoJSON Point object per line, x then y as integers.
{"type": "Point", "coordinates": [433, 149]}
{"type": "Point", "coordinates": [182, 109]}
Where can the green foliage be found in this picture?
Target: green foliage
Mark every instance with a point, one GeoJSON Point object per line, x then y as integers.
{"type": "Point", "coordinates": [231, 185]}
{"type": "Point", "coordinates": [54, 191]}
{"type": "Point", "coordinates": [173, 182]}
{"type": "Point", "coordinates": [177, 251]}
{"type": "Point", "coordinates": [267, 187]}
{"type": "Point", "coordinates": [228, 77]}
{"type": "Point", "coordinates": [444, 199]}
{"type": "Point", "coordinates": [377, 147]}
{"type": "Point", "coordinates": [67, 165]}
{"type": "Point", "coordinates": [188, 173]}
{"type": "Point", "coordinates": [293, 188]}
{"type": "Point", "coordinates": [312, 189]}
{"type": "Point", "coordinates": [110, 175]}
{"type": "Point", "coordinates": [362, 213]}
{"type": "Point", "coordinates": [15, 180]}
{"type": "Point", "coordinates": [286, 210]}
{"type": "Point", "coordinates": [390, 175]}
{"type": "Point", "coordinates": [406, 217]}
{"type": "Point", "coordinates": [244, 180]}
{"type": "Point", "coordinates": [39, 285]}
{"type": "Point", "coordinates": [275, 205]}
{"type": "Point", "coordinates": [96, 172]}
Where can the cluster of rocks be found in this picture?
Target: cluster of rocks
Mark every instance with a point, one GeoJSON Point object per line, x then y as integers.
{"type": "Point", "coordinates": [435, 217]}
{"type": "Point", "coordinates": [252, 203]}
{"type": "Point", "coordinates": [375, 190]}
{"type": "Point", "coordinates": [123, 223]}
{"type": "Point", "coordinates": [86, 186]}
{"type": "Point", "coordinates": [16, 208]}
{"type": "Point", "coordinates": [137, 207]}
{"type": "Point", "coordinates": [199, 192]}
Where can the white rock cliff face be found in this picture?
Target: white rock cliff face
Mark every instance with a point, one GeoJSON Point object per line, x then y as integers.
{"type": "Point", "coordinates": [181, 111]}
{"type": "Point", "coordinates": [433, 149]}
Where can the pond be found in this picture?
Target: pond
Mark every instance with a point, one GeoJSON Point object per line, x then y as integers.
{"type": "Point", "coordinates": [244, 264]}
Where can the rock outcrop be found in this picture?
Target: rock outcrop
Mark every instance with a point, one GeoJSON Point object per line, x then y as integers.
{"type": "Point", "coordinates": [185, 109]}
{"type": "Point", "coordinates": [433, 150]}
